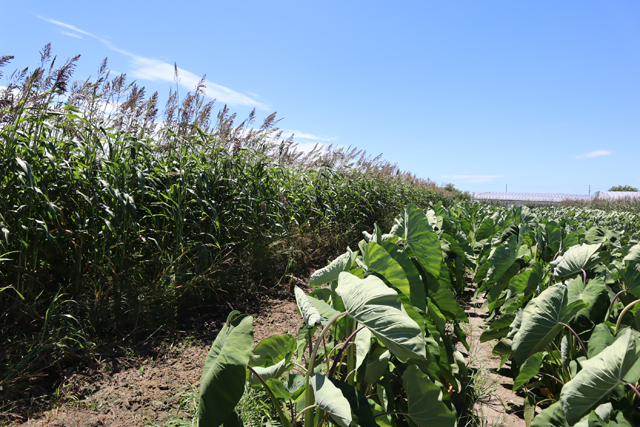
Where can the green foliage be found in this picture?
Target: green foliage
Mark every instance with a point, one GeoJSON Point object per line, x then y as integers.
{"type": "Point", "coordinates": [623, 188]}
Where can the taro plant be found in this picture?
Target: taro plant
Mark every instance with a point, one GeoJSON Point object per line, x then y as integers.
{"type": "Point", "coordinates": [561, 292]}
{"type": "Point", "coordinates": [374, 348]}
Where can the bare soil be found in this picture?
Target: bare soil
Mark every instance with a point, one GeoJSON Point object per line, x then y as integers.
{"type": "Point", "coordinates": [160, 388]}
{"type": "Point", "coordinates": [500, 405]}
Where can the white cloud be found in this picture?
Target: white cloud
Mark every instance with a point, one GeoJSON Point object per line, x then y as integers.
{"type": "Point", "coordinates": [473, 179]}
{"type": "Point", "coordinates": [301, 135]}
{"type": "Point", "coordinates": [66, 33]}
{"type": "Point", "coordinates": [150, 69]}
{"type": "Point", "coordinates": [67, 26]}
{"type": "Point", "coordinates": [593, 154]}
{"type": "Point", "coordinates": [154, 69]}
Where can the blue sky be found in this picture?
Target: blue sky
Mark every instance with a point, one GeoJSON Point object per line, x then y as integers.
{"type": "Point", "coordinates": [537, 96]}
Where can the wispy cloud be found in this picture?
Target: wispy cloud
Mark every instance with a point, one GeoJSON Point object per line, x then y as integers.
{"type": "Point", "coordinates": [593, 154]}
{"type": "Point", "coordinates": [151, 69]}
{"type": "Point", "coordinates": [67, 33]}
{"type": "Point", "coordinates": [301, 135]}
{"type": "Point", "coordinates": [67, 26]}
{"type": "Point", "coordinates": [156, 70]}
{"type": "Point", "coordinates": [473, 179]}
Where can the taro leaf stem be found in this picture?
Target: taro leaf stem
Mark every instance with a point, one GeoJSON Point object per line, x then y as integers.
{"type": "Point", "coordinates": [555, 378]}
{"type": "Point", "coordinates": [283, 417]}
{"type": "Point", "coordinates": [627, 308]}
{"type": "Point", "coordinates": [584, 276]}
{"type": "Point", "coordinates": [300, 413]}
{"type": "Point", "coordinates": [339, 356]}
{"type": "Point", "coordinates": [309, 396]}
{"type": "Point", "coordinates": [633, 387]}
{"type": "Point", "coordinates": [578, 337]}
{"type": "Point", "coordinates": [613, 302]}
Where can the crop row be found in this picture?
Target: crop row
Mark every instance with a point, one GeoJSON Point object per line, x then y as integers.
{"type": "Point", "coordinates": [376, 346]}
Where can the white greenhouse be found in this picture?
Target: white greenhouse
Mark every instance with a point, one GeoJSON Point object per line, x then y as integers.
{"type": "Point", "coordinates": [616, 195]}
{"type": "Point", "coordinates": [527, 199]}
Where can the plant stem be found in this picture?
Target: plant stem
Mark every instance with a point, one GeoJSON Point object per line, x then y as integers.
{"type": "Point", "coordinates": [300, 413]}
{"type": "Point", "coordinates": [309, 397]}
{"type": "Point", "coordinates": [613, 302]}
{"type": "Point", "coordinates": [555, 378]}
{"type": "Point", "coordinates": [351, 357]}
{"type": "Point", "coordinates": [627, 308]}
{"type": "Point", "coordinates": [339, 356]}
{"type": "Point", "coordinates": [632, 387]}
{"type": "Point", "coordinates": [283, 417]}
{"type": "Point", "coordinates": [577, 336]}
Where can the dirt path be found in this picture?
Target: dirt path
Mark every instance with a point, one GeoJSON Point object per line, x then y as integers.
{"type": "Point", "coordinates": [499, 405]}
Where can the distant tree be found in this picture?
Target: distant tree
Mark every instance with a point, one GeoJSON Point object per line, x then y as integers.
{"type": "Point", "coordinates": [459, 194]}
{"type": "Point", "coordinates": [623, 188]}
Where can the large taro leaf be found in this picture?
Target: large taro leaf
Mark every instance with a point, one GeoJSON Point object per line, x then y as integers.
{"type": "Point", "coordinates": [540, 321]}
{"type": "Point", "coordinates": [599, 417]}
{"type": "Point", "coordinates": [378, 259]}
{"type": "Point", "coordinates": [413, 226]}
{"type": "Point", "coordinates": [486, 230]}
{"type": "Point", "coordinates": [330, 399]}
{"type": "Point", "coordinates": [602, 235]}
{"type": "Point", "coordinates": [273, 371]}
{"type": "Point", "coordinates": [522, 286]}
{"type": "Point", "coordinates": [570, 240]}
{"type": "Point", "coordinates": [290, 388]}
{"type": "Point", "coordinates": [363, 345]}
{"type": "Point", "coordinates": [501, 259]}
{"type": "Point", "coordinates": [550, 417]}
{"type": "Point", "coordinates": [310, 314]}
{"type": "Point", "coordinates": [272, 349]}
{"type": "Point", "coordinates": [510, 230]}
{"type": "Point", "coordinates": [330, 272]}
{"type": "Point", "coordinates": [223, 376]}
{"type": "Point", "coordinates": [378, 365]}
{"type": "Point", "coordinates": [454, 246]}
{"type": "Point", "coordinates": [631, 273]}
{"type": "Point", "coordinates": [594, 293]}
{"type": "Point", "coordinates": [372, 303]}
{"type": "Point", "coordinates": [601, 338]}
{"type": "Point", "coordinates": [326, 311]}
{"type": "Point", "coordinates": [418, 294]}
{"type": "Point", "coordinates": [525, 282]}
{"type": "Point", "coordinates": [529, 369]}
{"type": "Point", "coordinates": [497, 294]}
{"type": "Point", "coordinates": [601, 375]}
{"type": "Point", "coordinates": [426, 408]}
{"type": "Point", "coordinates": [439, 290]}
{"type": "Point", "coordinates": [360, 408]}
{"type": "Point", "coordinates": [552, 239]}
{"type": "Point", "coordinates": [575, 260]}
